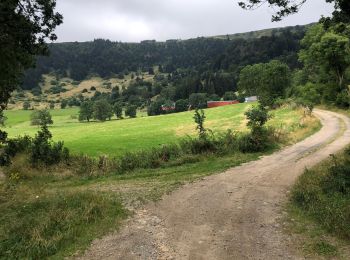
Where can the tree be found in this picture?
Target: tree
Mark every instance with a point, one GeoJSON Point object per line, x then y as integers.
{"type": "Point", "coordinates": [26, 105]}
{"type": "Point", "coordinates": [230, 95]}
{"type": "Point", "coordinates": [102, 110]}
{"type": "Point", "coordinates": [181, 105]}
{"type": "Point", "coordinates": [199, 118]}
{"type": "Point", "coordinates": [131, 111]}
{"type": "Point", "coordinates": [64, 104]}
{"type": "Point", "coordinates": [86, 111]}
{"type": "Point", "coordinates": [118, 110]}
{"type": "Point", "coordinates": [326, 50]}
{"type": "Point", "coordinates": [198, 100]}
{"type": "Point", "coordinates": [270, 79]}
{"type": "Point", "coordinates": [284, 8]}
{"type": "Point", "coordinates": [26, 25]}
{"type": "Point", "coordinates": [41, 117]}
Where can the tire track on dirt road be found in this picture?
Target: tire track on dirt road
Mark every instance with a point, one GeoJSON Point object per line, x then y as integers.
{"type": "Point", "coordinates": [231, 215]}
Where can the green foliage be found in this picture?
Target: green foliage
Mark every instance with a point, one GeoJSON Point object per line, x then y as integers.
{"type": "Point", "coordinates": [103, 110]}
{"type": "Point", "coordinates": [41, 227]}
{"type": "Point", "coordinates": [64, 103]}
{"type": "Point", "coordinates": [11, 147]}
{"type": "Point", "coordinates": [41, 117]}
{"type": "Point", "coordinates": [198, 100]}
{"type": "Point", "coordinates": [258, 139]}
{"type": "Point", "coordinates": [230, 95]}
{"type": "Point", "coordinates": [308, 95]}
{"type": "Point", "coordinates": [131, 111]}
{"type": "Point", "coordinates": [86, 111]}
{"type": "Point", "coordinates": [326, 50]}
{"type": "Point", "coordinates": [199, 118]}
{"type": "Point", "coordinates": [323, 193]}
{"type": "Point", "coordinates": [181, 105]}
{"type": "Point", "coordinates": [26, 25]}
{"type": "Point", "coordinates": [45, 151]}
{"type": "Point", "coordinates": [118, 110]}
{"type": "Point", "coordinates": [266, 80]}
{"type": "Point", "coordinates": [36, 91]}
{"type": "Point", "coordinates": [26, 105]}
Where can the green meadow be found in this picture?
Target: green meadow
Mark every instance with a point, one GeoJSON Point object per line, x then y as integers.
{"type": "Point", "coordinates": [116, 137]}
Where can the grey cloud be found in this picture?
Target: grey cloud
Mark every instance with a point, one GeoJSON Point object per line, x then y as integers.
{"type": "Point", "coordinates": [135, 20]}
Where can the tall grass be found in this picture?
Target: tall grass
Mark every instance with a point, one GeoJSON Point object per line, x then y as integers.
{"type": "Point", "coordinates": [45, 225]}
{"type": "Point", "coordinates": [323, 194]}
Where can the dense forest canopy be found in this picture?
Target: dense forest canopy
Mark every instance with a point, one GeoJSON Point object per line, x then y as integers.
{"type": "Point", "coordinates": [202, 55]}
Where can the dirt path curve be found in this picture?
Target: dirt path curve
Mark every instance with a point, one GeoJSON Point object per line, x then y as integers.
{"type": "Point", "coordinates": [232, 215]}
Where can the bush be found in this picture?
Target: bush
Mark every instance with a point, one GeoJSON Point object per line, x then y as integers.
{"type": "Point", "coordinates": [41, 117]}
{"type": "Point", "coordinates": [26, 105]}
{"type": "Point", "coordinates": [258, 138]}
{"type": "Point", "coordinates": [323, 194]}
{"type": "Point", "coordinates": [45, 151]}
{"type": "Point", "coordinates": [131, 111]}
{"type": "Point", "coordinates": [12, 147]}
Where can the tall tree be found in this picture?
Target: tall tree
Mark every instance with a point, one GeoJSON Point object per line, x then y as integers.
{"type": "Point", "coordinates": [270, 79]}
{"type": "Point", "coordinates": [25, 25]}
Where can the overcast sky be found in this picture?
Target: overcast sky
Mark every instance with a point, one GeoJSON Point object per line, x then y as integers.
{"type": "Point", "coordinates": [136, 20]}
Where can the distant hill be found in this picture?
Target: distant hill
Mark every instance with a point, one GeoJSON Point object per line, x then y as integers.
{"type": "Point", "coordinates": [261, 33]}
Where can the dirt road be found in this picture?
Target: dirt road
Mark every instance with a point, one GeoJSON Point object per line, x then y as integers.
{"type": "Point", "coordinates": [232, 215]}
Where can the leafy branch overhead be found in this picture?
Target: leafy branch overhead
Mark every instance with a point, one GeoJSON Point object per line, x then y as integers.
{"type": "Point", "coordinates": [284, 8]}
{"type": "Point", "coordinates": [26, 25]}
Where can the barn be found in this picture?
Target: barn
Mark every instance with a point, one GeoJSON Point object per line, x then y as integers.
{"type": "Point", "coordinates": [212, 104]}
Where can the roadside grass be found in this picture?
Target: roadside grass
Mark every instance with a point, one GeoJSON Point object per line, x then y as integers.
{"type": "Point", "coordinates": [319, 208]}
{"type": "Point", "coordinates": [116, 137]}
{"type": "Point", "coordinates": [54, 213]}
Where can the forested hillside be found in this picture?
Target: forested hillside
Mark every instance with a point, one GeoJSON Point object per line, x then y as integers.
{"type": "Point", "coordinates": [201, 55]}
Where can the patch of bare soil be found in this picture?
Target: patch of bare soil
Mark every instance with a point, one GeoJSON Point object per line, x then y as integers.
{"type": "Point", "coordinates": [232, 215]}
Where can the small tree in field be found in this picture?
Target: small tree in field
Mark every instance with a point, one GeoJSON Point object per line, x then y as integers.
{"type": "Point", "coordinates": [41, 117]}
{"type": "Point", "coordinates": [26, 105]}
{"type": "Point", "coordinates": [118, 110]}
{"type": "Point", "coordinates": [199, 118]}
{"type": "Point", "coordinates": [86, 111]}
{"type": "Point", "coordinates": [103, 110]}
{"type": "Point", "coordinates": [131, 111]}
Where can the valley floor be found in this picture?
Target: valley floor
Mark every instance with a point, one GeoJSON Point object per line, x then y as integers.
{"type": "Point", "coordinates": [233, 215]}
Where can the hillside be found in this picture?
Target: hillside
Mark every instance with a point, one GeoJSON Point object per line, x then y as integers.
{"type": "Point", "coordinates": [105, 58]}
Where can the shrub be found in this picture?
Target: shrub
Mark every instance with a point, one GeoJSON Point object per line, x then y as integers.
{"type": "Point", "coordinates": [118, 110]}
{"type": "Point", "coordinates": [45, 151]}
{"type": "Point", "coordinates": [230, 95]}
{"type": "Point", "coordinates": [131, 111]}
{"type": "Point", "coordinates": [258, 138]}
{"type": "Point", "coordinates": [64, 104]}
{"type": "Point", "coordinates": [41, 117]}
{"type": "Point", "coordinates": [12, 147]}
{"type": "Point", "coordinates": [199, 118]}
{"type": "Point", "coordinates": [26, 105]}
{"type": "Point", "coordinates": [323, 194]}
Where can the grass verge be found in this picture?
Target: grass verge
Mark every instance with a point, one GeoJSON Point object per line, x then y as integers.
{"type": "Point", "coordinates": [319, 208]}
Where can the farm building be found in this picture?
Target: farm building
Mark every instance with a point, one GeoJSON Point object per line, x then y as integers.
{"type": "Point", "coordinates": [168, 107]}
{"type": "Point", "coordinates": [212, 104]}
{"type": "Point", "coordinates": [251, 99]}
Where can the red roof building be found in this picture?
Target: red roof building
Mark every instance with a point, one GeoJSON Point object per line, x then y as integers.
{"type": "Point", "coordinates": [212, 104]}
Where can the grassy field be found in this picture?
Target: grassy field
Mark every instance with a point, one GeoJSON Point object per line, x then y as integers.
{"type": "Point", "coordinates": [116, 137]}
{"type": "Point", "coordinates": [53, 212]}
